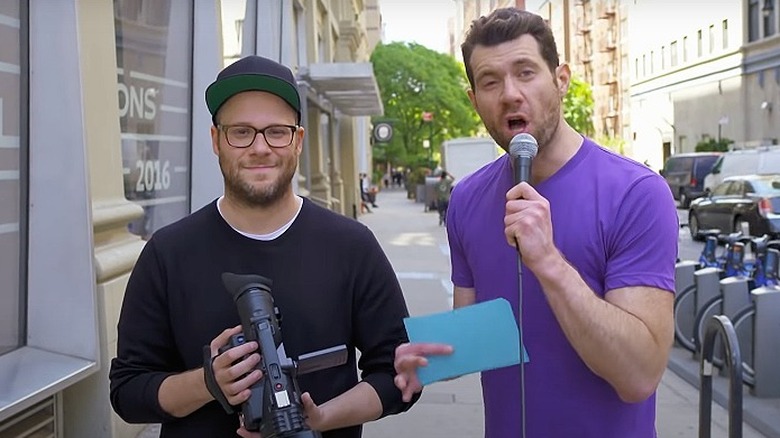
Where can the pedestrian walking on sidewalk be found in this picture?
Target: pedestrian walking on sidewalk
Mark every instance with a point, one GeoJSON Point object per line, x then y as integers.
{"type": "Point", "coordinates": [443, 190]}
{"type": "Point", "coordinates": [597, 236]}
{"type": "Point", "coordinates": [176, 304]}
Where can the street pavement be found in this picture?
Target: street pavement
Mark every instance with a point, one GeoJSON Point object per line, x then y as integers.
{"type": "Point", "coordinates": [417, 248]}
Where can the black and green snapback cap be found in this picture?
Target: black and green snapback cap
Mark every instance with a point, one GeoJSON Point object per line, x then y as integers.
{"type": "Point", "coordinates": [253, 73]}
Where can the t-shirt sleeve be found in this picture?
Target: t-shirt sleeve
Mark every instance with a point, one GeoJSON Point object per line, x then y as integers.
{"type": "Point", "coordinates": [144, 354]}
{"type": "Point", "coordinates": [461, 273]}
{"type": "Point", "coordinates": [642, 245]}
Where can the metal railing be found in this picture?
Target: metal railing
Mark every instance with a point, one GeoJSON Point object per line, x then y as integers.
{"type": "Point", "coordinates": [720, 324]}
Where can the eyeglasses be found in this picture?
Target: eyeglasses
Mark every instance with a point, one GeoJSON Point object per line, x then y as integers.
{"type": "Point", "coordinates": [241, 136]}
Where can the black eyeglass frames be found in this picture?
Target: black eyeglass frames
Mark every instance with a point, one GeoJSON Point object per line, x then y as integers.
{"type": "Point", "coordinates": [242, 136]}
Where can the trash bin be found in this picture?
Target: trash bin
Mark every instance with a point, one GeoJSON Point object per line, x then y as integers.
{"type": "Point", "coordinates": [430, 192]}
{"type": "Point", "coordinates": [419, 193]}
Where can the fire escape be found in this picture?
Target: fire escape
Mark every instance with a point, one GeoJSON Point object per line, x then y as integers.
{"type": "Point", "coordinates": [608, 87]}
{"type": "Point", "coordinates": [584, 40]}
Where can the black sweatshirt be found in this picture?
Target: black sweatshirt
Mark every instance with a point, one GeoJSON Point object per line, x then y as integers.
{"type": "Point", "coordinates": [332, 284]}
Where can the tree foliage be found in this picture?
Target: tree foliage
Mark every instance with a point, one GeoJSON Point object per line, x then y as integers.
{"type": "Point", "coordinates": [711, 144]}
{"type": "Point", "coordinates": [413, 79]}
{"type": "Point", "coordinates": [578, 106]}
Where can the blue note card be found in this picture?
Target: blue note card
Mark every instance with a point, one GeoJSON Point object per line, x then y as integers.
{"type": "Point", "coordinates": [484, 336]}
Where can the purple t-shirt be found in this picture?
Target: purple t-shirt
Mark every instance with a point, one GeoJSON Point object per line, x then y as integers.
{"type": "Point", "coordinates": [615, 221]}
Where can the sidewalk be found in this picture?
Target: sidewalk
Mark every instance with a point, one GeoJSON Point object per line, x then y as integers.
{"type": "Point", "coordinates": [417, 248]}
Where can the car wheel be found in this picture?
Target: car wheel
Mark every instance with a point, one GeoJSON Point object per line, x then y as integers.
{"type": "Point", "coordinates": [685, 202]}
{"type": "Point", "coordinates": [693, 226]}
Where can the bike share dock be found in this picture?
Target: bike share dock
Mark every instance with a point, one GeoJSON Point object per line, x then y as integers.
{"type": "Point", "coordinates": [727, 332]}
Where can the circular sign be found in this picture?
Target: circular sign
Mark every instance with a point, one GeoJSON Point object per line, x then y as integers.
{"type": "Point", "coordinates": [383, 132]}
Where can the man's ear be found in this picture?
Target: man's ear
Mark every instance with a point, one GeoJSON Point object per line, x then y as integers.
{"type": "Point", "coordinates": [472, 98]}
{"type": "Point", "coordinates": [299, 139]}
{"type": "Point", "coordinates": [563, 77]}
{"type": "Point", "coordinates": [215, 140]}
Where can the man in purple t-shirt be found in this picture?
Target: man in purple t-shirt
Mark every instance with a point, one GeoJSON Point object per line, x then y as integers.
{"type": "Point", "coordinates": [598, 238]}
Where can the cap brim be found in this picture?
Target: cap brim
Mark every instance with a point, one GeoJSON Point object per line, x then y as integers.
{"type": "Point", "coordinates": [220, 91]}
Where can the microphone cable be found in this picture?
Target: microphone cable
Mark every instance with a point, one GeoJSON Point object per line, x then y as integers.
{"type": "Point", "coordinates": [522, 347]}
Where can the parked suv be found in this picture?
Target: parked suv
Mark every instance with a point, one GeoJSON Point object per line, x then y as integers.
{"type": "Point", "coordinates": [685, 174]}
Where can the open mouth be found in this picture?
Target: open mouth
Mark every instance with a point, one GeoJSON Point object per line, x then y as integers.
{"type": "Point", "coordinates": [517, 124]}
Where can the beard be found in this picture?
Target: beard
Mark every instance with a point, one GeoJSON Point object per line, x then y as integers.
{"type": "Point", "coordinates": [549, 124]}
{"type": "Point", "coordinates": [257, 194]}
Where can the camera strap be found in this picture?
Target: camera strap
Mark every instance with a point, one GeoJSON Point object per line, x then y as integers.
{"type": "Point", "coordinates": [211, 380]}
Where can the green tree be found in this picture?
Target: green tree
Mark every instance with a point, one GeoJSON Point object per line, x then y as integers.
{"type": "Point", "coordinates": [413, 79]}
{"type": "Point", "coordinates": [711, 144]}
{"type": "Point", "coordinates": [615, 144]}
{"type": "Point", "coordinates": [578, 106]}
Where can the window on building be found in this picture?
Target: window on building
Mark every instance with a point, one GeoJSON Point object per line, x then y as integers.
{"type": "Point", "coordinates": [154, 71]}
{"type": "Point", "coordinates": [299, 48]}
{"type": "Point", "coordinates": [652, 62]}
{"type": "Point", "coordinates": [754, 14]}
{"type": "Point", "coordinates": [239, 33]}
{"type": "Point", "coordinates": [644, 65]}
{"type": "Point", "coordinates": [673, 54]}
{"type": "Point", "coordinates": [699, 44]}
{"type": "Point", "coordinates": [769, 20]}
{"type": "Point", "coordinates": [636, 68]}
{"type": "Point", "coordinates": [320, 48]}
{"type": "Point", "coordinates": [725, 33]}
{"type": "Point", "coordinates": [712, 38]}
{"type": "Point", "coordinates": [12, 179]}
{"type": "Point", "coordinates": [685, 49]}
{"type": "Point", "coordinates": [663, 57]}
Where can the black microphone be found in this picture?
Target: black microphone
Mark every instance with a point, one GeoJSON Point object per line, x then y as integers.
{"type": "Point", "coordinates": [523, 148]}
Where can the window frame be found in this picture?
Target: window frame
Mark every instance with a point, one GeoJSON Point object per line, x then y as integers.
{"type": "Point", "coordinates": [57, 295]}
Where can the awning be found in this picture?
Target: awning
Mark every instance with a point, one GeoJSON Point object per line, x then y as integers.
{"type": "Point", "coordinates": [350, 86]}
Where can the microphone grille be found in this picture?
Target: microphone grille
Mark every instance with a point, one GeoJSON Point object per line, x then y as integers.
{"type": "Point", "coordinates": [523, 145]}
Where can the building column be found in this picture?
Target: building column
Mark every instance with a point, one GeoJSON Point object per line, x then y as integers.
{"type": "Point", "coordinates": [86, 408]}
{"type": "Point", "coordinates": [318, 157]}
{"type": "Point", "coordinates": [349, 159]}
{"type": "Point", "coordinates": [338, 144]}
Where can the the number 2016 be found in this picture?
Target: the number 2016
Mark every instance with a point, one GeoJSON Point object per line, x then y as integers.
{"type": "Point", "coordinates": [151, 176]}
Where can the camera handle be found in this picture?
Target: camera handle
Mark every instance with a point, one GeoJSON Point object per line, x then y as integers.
{"type": "Point", "coordinates": [211, 381]}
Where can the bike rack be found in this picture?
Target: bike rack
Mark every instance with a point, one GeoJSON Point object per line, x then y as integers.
{"type": "Point", "coordinates": [734, 291]}
{"type": "Point", "coordinates": [736, 296]}
{"type": "Point", "coordinates": [720, 324]}
{"type": "Point", "coordinates": [707, 287]}
{"type": "Point", "coordinates": [683, 274]}
{"type": "Point", "coordinates": [766, 342]}
{"type": "Point", "coordinates": [684, 284]}
{"type": "Point", "coordinates": [748, 373]}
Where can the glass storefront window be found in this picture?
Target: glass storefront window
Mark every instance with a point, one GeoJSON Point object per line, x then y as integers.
{"type": "Point", "coordinates": [11, 162]}
{"type": "Point", "coordinates": [154, 57]}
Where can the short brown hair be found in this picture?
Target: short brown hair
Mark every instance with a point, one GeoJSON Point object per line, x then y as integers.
{"type": "Point", "coordinates": [507, 24]}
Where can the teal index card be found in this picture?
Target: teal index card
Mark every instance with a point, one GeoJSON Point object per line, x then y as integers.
{"type": "Point", "coordinates": [484, 336]}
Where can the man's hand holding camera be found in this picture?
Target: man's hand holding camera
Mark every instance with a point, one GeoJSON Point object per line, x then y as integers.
{"type": "Point", "coordinates": [235, 370]}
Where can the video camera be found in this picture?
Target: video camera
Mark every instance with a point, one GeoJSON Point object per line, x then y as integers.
{"type": "Point", "coordinates": [274, 407]}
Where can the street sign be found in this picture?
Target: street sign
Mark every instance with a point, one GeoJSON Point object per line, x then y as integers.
{"type": "Point", "coordinates": [383, 132]}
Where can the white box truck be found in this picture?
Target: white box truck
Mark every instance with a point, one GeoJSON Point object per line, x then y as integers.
{"type": "Point", "coordinates": [462, 156]}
